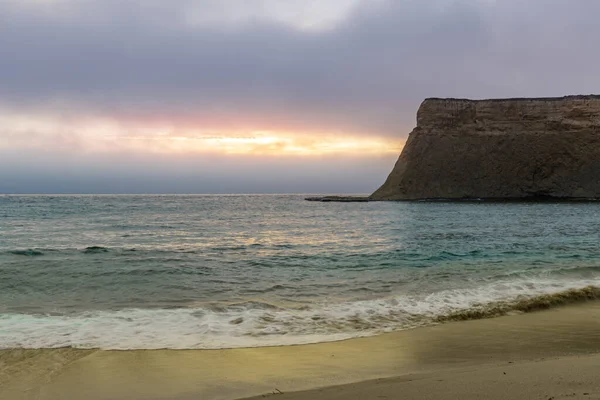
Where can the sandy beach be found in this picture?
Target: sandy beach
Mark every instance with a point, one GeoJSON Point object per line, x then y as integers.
{"type": "Point", "coordinates": [547, 354]}
{"type": "Point", "coordinates": [574, 377]}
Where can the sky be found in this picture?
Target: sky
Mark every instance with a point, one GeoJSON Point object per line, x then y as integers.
{"type": "Point", "coordinates": [259, 96]}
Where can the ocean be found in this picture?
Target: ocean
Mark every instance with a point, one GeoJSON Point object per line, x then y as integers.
{"type": "Point", "coordinates": [226, 271]}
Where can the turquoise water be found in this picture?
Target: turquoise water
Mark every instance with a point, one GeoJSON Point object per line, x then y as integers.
{"type": "Point", "coordinates": [230, 271]}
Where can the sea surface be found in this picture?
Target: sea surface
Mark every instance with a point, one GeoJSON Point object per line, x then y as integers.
{"type": "Point", "coordinates": [211, 271]}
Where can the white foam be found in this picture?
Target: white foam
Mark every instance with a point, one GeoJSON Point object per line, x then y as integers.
{"type": "Point", "coordinates": [252, 326]}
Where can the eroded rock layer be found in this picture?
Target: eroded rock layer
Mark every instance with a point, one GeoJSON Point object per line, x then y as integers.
{"type": "Point", "coordinates": [500, 149]}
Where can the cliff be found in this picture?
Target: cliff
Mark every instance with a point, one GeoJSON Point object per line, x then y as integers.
{"type": "Point", "coordinates": [500, 149]}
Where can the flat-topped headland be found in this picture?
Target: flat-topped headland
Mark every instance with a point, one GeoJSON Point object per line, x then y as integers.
{"type": "Point", "coordinates": [500, 149]}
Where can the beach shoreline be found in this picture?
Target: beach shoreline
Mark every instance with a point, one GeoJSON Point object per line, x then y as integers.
{"type": "Point", "coordinates": [569, 333]}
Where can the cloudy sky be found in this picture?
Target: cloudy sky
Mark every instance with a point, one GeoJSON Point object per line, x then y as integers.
{"type": "Point", "coordinates": [259, 96]}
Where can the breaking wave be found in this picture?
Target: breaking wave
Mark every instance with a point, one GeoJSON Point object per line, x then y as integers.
{"type": "Point", "coordinates": [256, 324]}
{"type": "Point", "coordinates": [537, 303]}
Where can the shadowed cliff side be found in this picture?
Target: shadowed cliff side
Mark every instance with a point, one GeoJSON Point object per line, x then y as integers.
{"type": "Point", "coordinates": [545, 148]}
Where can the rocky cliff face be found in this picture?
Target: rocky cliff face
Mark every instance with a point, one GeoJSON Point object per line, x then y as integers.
{"type": "Point", "coordinates": [500, 149]}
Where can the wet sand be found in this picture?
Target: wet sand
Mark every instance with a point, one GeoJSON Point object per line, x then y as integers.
{"type": "Point", "coordinates": [575, 377]}
{"type": "Point", "coordinates": [544, 354]}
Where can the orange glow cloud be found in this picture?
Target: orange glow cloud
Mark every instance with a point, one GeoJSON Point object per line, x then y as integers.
{"type": "Point", "coordinates": [108, 135]}
{"type": "Point", "coordinates": [259, 143]}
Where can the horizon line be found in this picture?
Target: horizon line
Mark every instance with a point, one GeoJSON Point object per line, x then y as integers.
{"type": "Point", "coordinates": [179, 194]}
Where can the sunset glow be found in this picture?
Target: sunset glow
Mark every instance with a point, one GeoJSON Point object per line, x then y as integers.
{"type": "Point", "coordinates": [109, 135]}
{"type": "Point", "coordinates": [259, 143]}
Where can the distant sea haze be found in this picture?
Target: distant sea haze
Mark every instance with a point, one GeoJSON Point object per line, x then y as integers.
{"type": "Point", "coordinates": [145, 272]}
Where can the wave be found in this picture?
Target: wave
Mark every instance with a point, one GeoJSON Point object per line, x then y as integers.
{"type": "Point", "coordinates": [70, 251]}
{"type": "Point", "coordinates": [257, 323]}
{"type": "Point", "coordinates": [27, 253]}
{"type": "Point", "coordinates": [537, 303]}
{"type": "Point", "coordinates": [40, 252]}
{"type": "Point", "coordinates": [95, 250]}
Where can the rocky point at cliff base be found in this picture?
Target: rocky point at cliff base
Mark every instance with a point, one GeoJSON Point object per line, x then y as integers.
{"type": "Point", "coordinates": [339, 199]}
{"type": "Point", "coordinates": [500, 149]}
